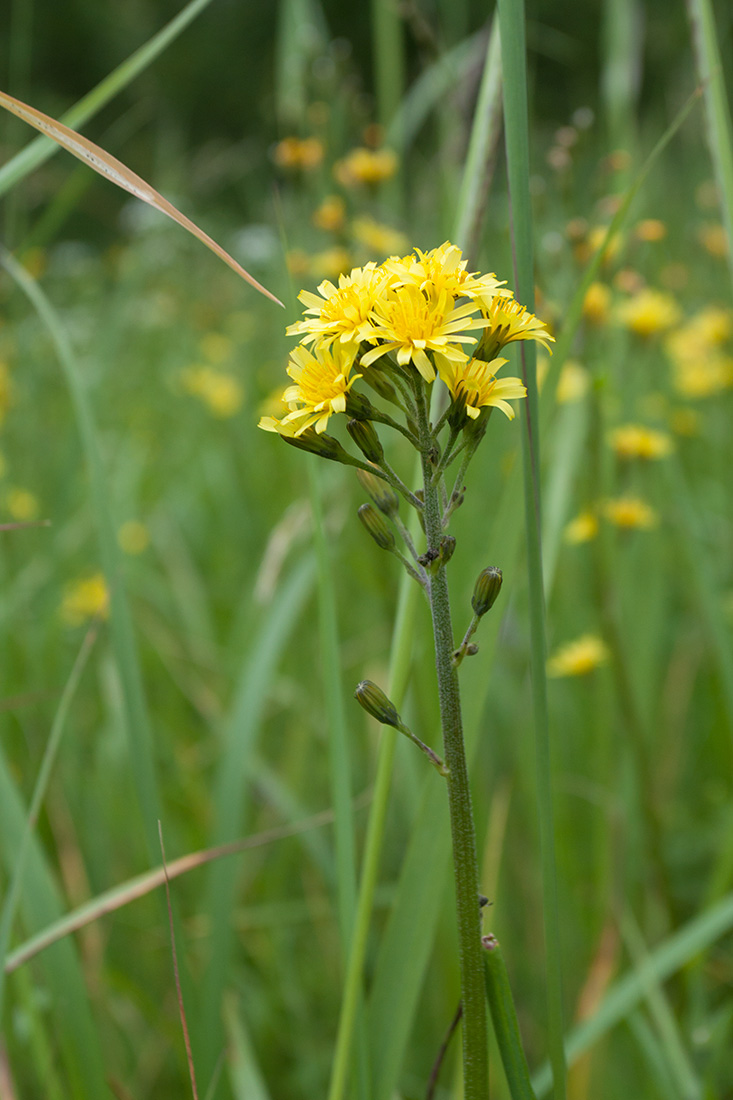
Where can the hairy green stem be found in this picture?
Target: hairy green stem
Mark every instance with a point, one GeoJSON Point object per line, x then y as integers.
{"type": "Point", "coordinates": [475, 1054]}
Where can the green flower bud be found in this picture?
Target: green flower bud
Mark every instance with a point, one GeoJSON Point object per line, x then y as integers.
{"type": "Point", "coordinates": [447, 548]}
{"type": "Point", "coordinates": [457, 415]}
{"type": "Point", "coordinates": [486, 589]}
{"type": "Point", "coordinates": [323, 445]}
{"type": "Point", "coordinates": [376, 703]}
{"type": "Point", "coordinates": [375, 378]}
{"type": "Point", "coordinates": [377, 527]}
{"type": "Point", "coordinates": [359, 407]}
{"type": "Point", "coordinates": [366, 439]}
{"type": "Point", "coordinates": [382, 494]}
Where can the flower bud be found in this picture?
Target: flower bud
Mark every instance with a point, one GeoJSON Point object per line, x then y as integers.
{"type": "Point", "coordinates": [382, 494]}
{"type": "Point", "coordinates": [366, 439]}
{"type": "Point", "coordinates": [447, 548]}
{"type": "Point", "coordinates": [359, 407]}
{"type": "Point", "coordinates": [377, 527]}
{"type": "Point", "coordinates": [376, 703]}
{"type": "Point", "coordinates": [380, 384]}
{"type": "Point", "coordinates": [486, 589]}
{"type": "Point", "coordinates": [323, 445]}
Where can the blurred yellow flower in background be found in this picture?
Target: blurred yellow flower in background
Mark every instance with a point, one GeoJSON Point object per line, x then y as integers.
{"type": "Point", "coordinates": [597, 303]}
{"type": "Point", "coordinates": [366, 166]}
{"type": "Point", "coordinates": [330, 263]}
{"type": "Point", "coordinates": [330, 214]}
{"type": "Point", "coordinates": [630, 512]}
{"type": "Point", "coordinates": [581, 529]}
{"type": "Point", "coordinates": [379, 238]}
{"type": "Point", "coordinates": [649, 312]}
{"type": "Point", "coordinates": [714, 239]}
{"type": "Point", "coordinates": [22, 505]}
{"type": "Point", "coordinates": [221, 393]}
{"type": "Point", "coordinates": [579, 657]}
{"type": "Point", "coordinates": [298, 154]}
{"type": "Point", "coordinates": [573, 383]}
{"type": "Point", "coordinates": [133, 537]}
{"type": "Point", "coordinates": [638, 441]}
{"type": "Point", "coordinates": [85, 599]}
{"type": "Point", "coordinates": [216, 347]}
{"type": "Point", "coordinates": [651, 229]}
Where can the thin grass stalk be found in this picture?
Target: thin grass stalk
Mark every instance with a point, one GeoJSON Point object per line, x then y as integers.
{"type": "Point", "coordinates": [137, 721]}
{"type": "Point", "coordinates": [389, 63]}
{"type": "Point", "coordinates": [663, 961]}
{"type": "Point", "coordinates": [339, 754]}
{"type": "Point", "coordinates": [39, 792]}
{"type": "Point", "coordinates": [511, 22]}
{"type": "Point", "coordinates": [41, 149]}
{"type": "Point", "coordinates": [717, 110]}
{"type": "Point", "coordinates": [504, 1021]}
{"type": "Point", "coordinates": [485, 131]}
{"type": "Point", "coordinates": [401, 657]}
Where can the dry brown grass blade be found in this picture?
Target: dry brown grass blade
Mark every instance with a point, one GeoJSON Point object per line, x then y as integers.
{"type": "Point", "coordinates": [119, 174]}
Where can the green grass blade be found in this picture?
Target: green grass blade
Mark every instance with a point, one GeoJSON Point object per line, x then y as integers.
{"type": "Point", "coordinates": [484, 136]}
{"type": "Point", "coordinates": [39, 791]}
{"type": "Point", "coordinates": [245, 1074]}
{"type": "Point", "coordinates": [40, 149]}
{"type": "Point", "coordinates": [675, 1055]}
{"type": "Point", "coordinates": [710, 70]}
{"type": "Point", "coordinates": [137, 722]}
{"type": "Point", "coordinates": [73, 1024]}
{"type": "Point", "coordinates": [505, 1024]}
{"type": "Point", "coordinates": [231, 798]}
{"type": "Point", "coordinates": [670, 956]}
{"type": "Point", "coordinates": [511, 22]}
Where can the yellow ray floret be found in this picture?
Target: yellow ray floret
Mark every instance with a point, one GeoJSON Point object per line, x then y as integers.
{"type": "Point", "coordinates": [341, 312]}
{"type": "Point", "coordinates": [411, 324]}
{"type": "Point", "coordinates": [322, 381]}
{"type": "Point", "coordinates": [442, 269]}
{"type": "Point", "coordinates": [506, 320]}
{"type": "Point", "coordinates": [475, 382]}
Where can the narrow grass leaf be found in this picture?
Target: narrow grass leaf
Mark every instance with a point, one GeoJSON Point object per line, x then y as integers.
{"type": "Point", "coordinates": [245, 1076]}
{"type": "Point", "coordinates": [511, 22]}
{"type": "Point", "coordinates": [710, 70]}
{"type": "Point", "coordinates": [39, 791]}
{"type": "Point", "coordinates": [116, 172]}
{"type": "Point", "coordinates": [137, 721]}
{"type": "Point", "coordinates": [670, 956]}
{"type": "Point", "coordinates": [231, 796]}
{"type": "Point", "coordinates": [505, 1024]}
{"type": "Point", "coordinates": [41, 904]}
{"type": "Point", "coordinates": [39, 150]}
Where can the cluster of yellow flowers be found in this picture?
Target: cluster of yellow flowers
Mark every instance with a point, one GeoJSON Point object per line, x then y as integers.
{"type": "Point", "coordinates": [407, 319]}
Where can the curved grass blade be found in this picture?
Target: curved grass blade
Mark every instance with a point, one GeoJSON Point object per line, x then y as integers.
{"type": "Point", "coordinates": [116, 172]}
{"type": "Point", "coordinates": [49, 756]}
{"type": "Point", "coordinates": [136, 717]}
{"type": "Point", "coordinates": [40, 149]}
{"type": "Point", "coordinates": [516, 127]}
{"type": "Point", "coordinates": [71, 1021]}
{"type": "Point", "coordinates": [663, 961]}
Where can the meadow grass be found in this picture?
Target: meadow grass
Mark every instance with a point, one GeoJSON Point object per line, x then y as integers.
{"type": "Point", "coordinates": [244, 604]}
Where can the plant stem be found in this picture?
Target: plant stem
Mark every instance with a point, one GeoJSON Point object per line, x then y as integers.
{"type": "Point", "coordinates": [475, 1055]}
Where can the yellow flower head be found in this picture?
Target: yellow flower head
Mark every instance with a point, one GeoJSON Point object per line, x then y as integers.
{"type": "Point", "coordinates": [650, 230]}
{"type": "Point", "coordinates": [443, 269]}
{"type": "Point", "coordinates": [597, 303]}
{"type": "Point", "coordinates": [369, 166]}
{"type": "Point", "coordinates": [475, 383]}
{"type": "Point", "coordinates": [410, 324]}
{"type": "Point", "coordinates": [330, 214]}
{"type": "Point", "coordinates": [220, 392]}
{"type": "Point", "coordinates": [579, 657]}
{"type": "Point", "coordinates": [85, 599]}
{"type": "Point", "coordinates": [506, 320]}
{"type": "Point", "coordinates": [379, 238]}
{"type": "Point", "coordinates": [581, 529]}
{"type": "Point", "coordinates": [321, 384]}
{"type": "Point", "coordinates": [649, 312]}
{"type": "Point", "coordinates": [133, 537]}
{"type": "Point", "coordinates": [22, 505]}
{"type": "Point", "coordinates": [714, 239]}
{"type": "Point", "coordinates": [341, 312]}
{"type": "Point", "coordinates": [573, 382]}
{"type": "Point", "coordinates": [332, 262]}
{"type": "Point", "coordinates": [638, 441]}
{"type": "Point", "coordinates": [630, 512]}
{"type": "Point", "coordinates": [296, 154]}
{"type": "Point", "coordinates": [704, 377]}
